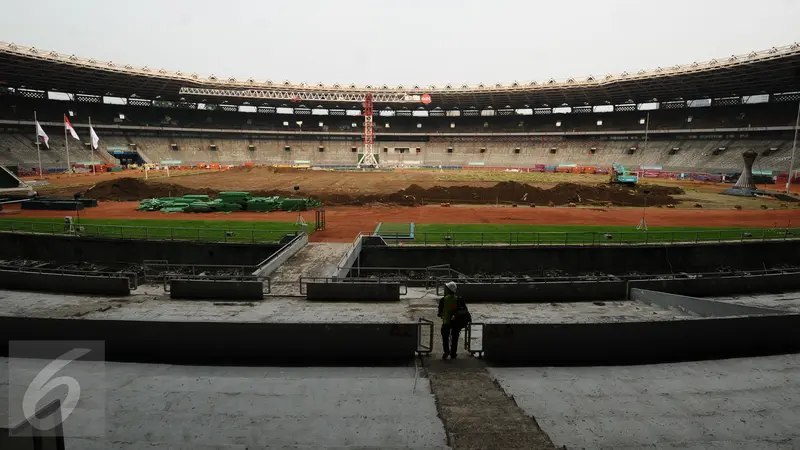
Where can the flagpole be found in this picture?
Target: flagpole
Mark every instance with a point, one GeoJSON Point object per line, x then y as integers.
{"type": "Point", "coordinates": [91, 144]}
{"type": "Point", "coordinates": [66, 141]}
{"type": "Point", "coordinates": [38, 152]}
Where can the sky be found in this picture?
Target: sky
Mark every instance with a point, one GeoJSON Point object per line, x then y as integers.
{"type": "Point", "coordinates": [425, 42]}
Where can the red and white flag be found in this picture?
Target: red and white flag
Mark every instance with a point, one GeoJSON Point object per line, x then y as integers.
{"type": "Point", "coordinates": [69, 128]}
{"type": "Point", "coordinates": [40, 132]}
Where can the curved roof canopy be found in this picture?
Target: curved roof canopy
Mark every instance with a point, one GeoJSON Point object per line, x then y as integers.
{"type": "Point", "coordinates": [775, 70]}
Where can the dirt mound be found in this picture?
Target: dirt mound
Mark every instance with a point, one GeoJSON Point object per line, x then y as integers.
{"type": "Point", "coordinates": [513, 192]}
{"type": "Point", "coordinates": [132, 189]}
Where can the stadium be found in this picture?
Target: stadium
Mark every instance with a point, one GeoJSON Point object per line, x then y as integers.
{"type": "Point", "coordinates": [207, 226]}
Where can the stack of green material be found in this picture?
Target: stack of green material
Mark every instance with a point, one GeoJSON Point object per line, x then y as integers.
{"type": "Point", "coordinates": [158, 204]}
{"type": "Point", "coordinates": [294, 204]}
{"type": "Point", "coordinates": [197, 207]}
{"type": "Point", "coordinates": [197, 197]}
{"type": "Point", "coordinates": [173, 209]}
{"type": "Point", "coordinates": [227, 202]}
{"type": "Point", "coordinates": [153, 204]}
{"type": "Point", "coordinates": [264, 204]}
{"type": "Point", "coordinates": [234, 197]}
{"type": "Point", "coordinates": [220, 205]}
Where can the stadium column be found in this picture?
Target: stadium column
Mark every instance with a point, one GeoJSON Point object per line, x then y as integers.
{"type": "Point", "coordinates": [794, 148]}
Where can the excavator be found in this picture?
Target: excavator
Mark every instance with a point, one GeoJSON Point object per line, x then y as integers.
{"type": "Point", "coordinates": [619, 175]}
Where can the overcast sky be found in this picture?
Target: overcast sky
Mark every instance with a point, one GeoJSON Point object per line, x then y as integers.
{"type": "Point", "coordinates": [401, 42]}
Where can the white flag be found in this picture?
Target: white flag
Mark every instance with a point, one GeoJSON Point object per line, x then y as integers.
{"type": "Point", "coordinates": [40, 132]}
{"type": "Point", "coordinates": [93, 136]}
{"type": "Point", "coordinates": [70, 129]}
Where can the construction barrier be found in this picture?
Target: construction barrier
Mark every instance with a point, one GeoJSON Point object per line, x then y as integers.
{"type": "Point", "coordinates": [225, 342]}
{"type": "Point", "coordinates": [65, 283]}
{"type": "Point", "coordinates": [217, 288]}
{"type": "Point", "coordinates": [641, 342]}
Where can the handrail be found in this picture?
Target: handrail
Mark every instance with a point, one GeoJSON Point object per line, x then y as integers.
{"type": "Point", "coordinates": [423, 349]}
{"type": "Point", "coordinates": [283, 249]}
{"type": "Point", "coordinates": [161, 269]}
{"type": "Point", "coordinates": [611, 277]}
{"type": "Point", "coordinates": [468, 346]}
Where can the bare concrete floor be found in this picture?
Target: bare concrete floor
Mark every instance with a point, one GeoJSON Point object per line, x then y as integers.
{"type": "Point", "coordinates": [153, 304]}
{"type": "Point", "coordinates": [732, 404]}
{"type": "Point", "coordinates": [160, 307]}
{"type": "Point", "coordinates": [316, 259]}
{"type": "Point", "coordinates": [788, 302]}
{"type": "Point", "coordinates": [145, 406]}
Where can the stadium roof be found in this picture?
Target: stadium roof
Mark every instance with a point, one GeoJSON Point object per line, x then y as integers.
{"type": "Point", "coordinates": [776, 70]}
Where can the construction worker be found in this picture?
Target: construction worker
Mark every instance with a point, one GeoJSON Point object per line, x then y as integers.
{"type": "Point", "coordinates": [455, 316]}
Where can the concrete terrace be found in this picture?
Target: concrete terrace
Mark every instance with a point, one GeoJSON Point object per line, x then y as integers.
{"type": "Point", "coordinates": [436, 405]}
{"type": "Point", "coordinates": [154, 304]}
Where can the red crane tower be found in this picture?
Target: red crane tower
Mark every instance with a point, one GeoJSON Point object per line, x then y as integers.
{"type": "Point", "coordinates": [367, 158]}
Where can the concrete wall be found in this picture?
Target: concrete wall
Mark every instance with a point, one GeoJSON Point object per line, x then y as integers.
{"type": "Point", "coordinates": [68, 249]}
{"type": "Point", "coordinates": [640, 342]}
{"type": "Point", "coordinates": [64, 283]}
{"type": "Point", "coordinates": [699, 306]}
{"type": "Point", "coordinates": [278, 258]}
{"type": "Point", "coordinates": [377, 292]}
{"type": "Point", "coordinates": [578, 291]}
{"type": "Point", "coordinates": [721, 286]}
{"type": "Point", "coordinates": [578, 260]}
{"type": "Point", "coordinates": [349, 258]}
{"type": "Point", "coordinates": [240, 343]}
{"type": "Point", "coordinates": [198, 289]}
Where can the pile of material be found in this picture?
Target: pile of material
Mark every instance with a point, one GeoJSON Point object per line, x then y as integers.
{"type": "Point", "coordinates": [227, 202]}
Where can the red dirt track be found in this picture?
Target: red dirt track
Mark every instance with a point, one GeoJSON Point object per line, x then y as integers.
{"type": "Point", "coordinates": [343, 223]}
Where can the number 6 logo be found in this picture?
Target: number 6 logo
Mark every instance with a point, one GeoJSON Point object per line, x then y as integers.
{"type": "Point", "coordinates": [40, 386]}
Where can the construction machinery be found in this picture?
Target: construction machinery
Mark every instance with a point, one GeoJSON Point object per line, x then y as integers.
{"type": "Point", "coordinates": [620, 175]}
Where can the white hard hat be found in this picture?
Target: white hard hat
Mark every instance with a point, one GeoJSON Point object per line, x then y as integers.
{"type": "Point", "coordinates": [451, 285]}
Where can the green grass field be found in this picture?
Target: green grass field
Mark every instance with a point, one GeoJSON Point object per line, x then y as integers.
{"type": "Point", "coordinates": [515, 234]}
{"type": "Point", "coordinates": [201, 230]}
{"type": "Point", "coordinates": [401, 229]}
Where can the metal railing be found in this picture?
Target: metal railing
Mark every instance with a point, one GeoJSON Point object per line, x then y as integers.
{"type": "Point", "coordinates": [611, 277]}
{"type": "Point", "coordinates": [83, 229]}
{"type": "Point", "coordinates": [424, 349]}
{"type": "Point", "coordinates": [159, 270]}
{"type": "Point", "coordinates": [266, 282]}
{"type": "Point", "coordinates": [469, 337]}
{"type": "Point", "coordinates": [133, 278]}
{"type": "Point", "coordinates": [414, 276]}
{"type": "Point", "coordinates": [590, 238]}
{"type": "Point", "coordinates": [281, 251]}
{"type": "Point", "coordinates": [305, 280]}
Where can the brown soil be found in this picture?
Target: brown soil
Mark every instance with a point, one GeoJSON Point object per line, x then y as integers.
{"type": "Point", "coordinates": [131, 189]}
{"type": "Point", "coordinates": [560, 194]}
